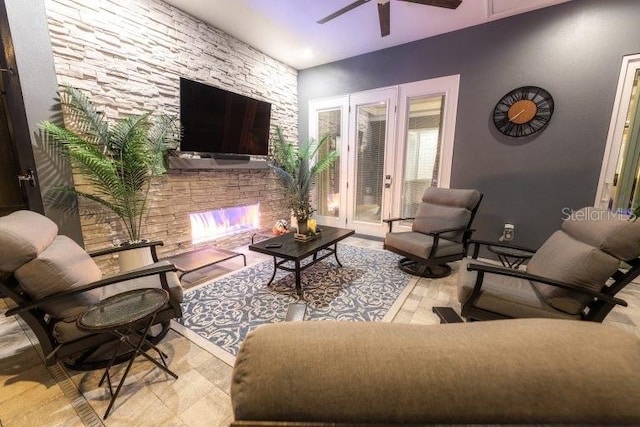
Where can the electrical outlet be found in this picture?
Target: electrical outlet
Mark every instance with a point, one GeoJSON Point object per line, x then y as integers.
{"type": "Point", "coordinates": [508, 232]}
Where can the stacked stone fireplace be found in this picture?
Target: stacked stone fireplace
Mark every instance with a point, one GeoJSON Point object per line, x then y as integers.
{"type": "Point", "coordinates": [128, 57]}
{"type": "Point", "coordinates": [179, 194]}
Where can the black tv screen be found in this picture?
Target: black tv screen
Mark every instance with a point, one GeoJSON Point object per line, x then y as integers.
{"type": "Point", "coordinates": [217, 121]}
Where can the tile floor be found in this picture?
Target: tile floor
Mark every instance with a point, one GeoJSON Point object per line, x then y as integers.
{"type": "Point", "coordinates": [32, 395]}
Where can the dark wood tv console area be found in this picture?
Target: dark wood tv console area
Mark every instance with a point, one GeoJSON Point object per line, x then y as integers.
{"type": "Point", "coordinates": [186, 163]}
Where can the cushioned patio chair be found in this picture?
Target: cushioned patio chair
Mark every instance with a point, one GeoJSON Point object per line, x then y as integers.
{"type": "Point", "coordinates": [50, 281]}
{"type": "Point", "coordinates": [575, 274]}
{"type": "Point", "coordinates": [439, 234]}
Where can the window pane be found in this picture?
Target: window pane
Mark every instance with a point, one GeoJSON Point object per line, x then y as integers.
{"type": "Point", "coordinates": [422, 156]}
{"type": "Point", "coordinates": [626, 191]}
{"type": "Point", "coordinates": [328, 181]}
{"type": "Point", "coordinates": [372, 126]}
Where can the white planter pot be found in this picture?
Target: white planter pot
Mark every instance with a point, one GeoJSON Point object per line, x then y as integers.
{"type": "Point", "coordinates": [134, 258]}
{"type": "Point", "coordinates": [129, 260]}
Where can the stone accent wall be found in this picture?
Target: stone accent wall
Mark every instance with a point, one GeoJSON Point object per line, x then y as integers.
{"type": "Point", "coordinates": [128, 57]}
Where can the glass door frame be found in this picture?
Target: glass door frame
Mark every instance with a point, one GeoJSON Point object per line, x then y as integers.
{"type": "Point", "coordinates": [398, 98]}
{"type": "Point", "coordinates": [630, 66]}
{"type": "Point", "coordinates": [388, 96]}
{"type": "Point", "coordinates": [448, 88]}
{"type": "Point", "coordinates": [335, 103]}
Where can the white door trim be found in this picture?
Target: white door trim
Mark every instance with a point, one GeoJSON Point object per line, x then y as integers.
{"type": "Point", "coordinates": [447, 86]}
{"type": "Point", "coordinates": [342, 103]}
{"type": "Point", "coordinates": [630, 64]}
{"type": "Point", "coordinates": [388, 96]}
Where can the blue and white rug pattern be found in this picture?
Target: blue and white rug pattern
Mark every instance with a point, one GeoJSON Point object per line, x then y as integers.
{"type": "Point", "coordinates": [364, 289]}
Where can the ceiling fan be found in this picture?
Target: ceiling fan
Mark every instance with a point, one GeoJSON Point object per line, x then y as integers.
{"type": "Point", "coordinates": [384, 11]}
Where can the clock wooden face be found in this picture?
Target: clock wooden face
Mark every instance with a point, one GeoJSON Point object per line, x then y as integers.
{"type": "Point", "coordinates": [523, 111]}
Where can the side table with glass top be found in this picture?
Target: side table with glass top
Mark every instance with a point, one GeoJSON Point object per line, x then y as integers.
{"type": "Point", "coordinates": [122, 315]}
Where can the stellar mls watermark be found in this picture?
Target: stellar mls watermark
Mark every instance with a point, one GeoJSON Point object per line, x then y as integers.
{"type": "Point", "coordinates": [594, 214]}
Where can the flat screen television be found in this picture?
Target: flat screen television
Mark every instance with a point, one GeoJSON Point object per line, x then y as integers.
{"type": "Point", "coordinates": [218, 122]}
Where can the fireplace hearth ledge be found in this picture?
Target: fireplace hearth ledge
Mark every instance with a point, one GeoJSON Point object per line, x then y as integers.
{"type": "Point", "coordinates": [180, 163]}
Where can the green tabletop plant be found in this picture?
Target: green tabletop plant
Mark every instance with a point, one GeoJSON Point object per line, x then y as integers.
{"type": "Point", "coordinates": [117, 158]}
{"type": "Point", "coordinates": [298, 167]}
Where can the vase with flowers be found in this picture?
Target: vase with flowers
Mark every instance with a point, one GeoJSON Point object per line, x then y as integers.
{"type": "Point", "coordinates": [298, 166]}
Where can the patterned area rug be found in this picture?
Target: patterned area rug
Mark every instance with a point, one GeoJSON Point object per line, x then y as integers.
{"type": "Point", "coordinates": [364, 289]}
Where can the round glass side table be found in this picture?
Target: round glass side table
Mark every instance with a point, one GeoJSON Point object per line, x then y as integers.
{"type": "Point", "coordinates": [122, 315]}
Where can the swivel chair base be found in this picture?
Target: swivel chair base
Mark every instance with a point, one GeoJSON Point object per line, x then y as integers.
{"type": "Point", "coordinates": [429, 271]}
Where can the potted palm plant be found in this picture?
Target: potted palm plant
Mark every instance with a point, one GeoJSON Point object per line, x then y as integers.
{"type": "Point", "coordinates": [117, 159]}
{"type": "Point", "coordinates": [298, 169]}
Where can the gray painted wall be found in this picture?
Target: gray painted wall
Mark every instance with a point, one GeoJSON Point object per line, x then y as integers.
{"type": "Point", "coordinates": [574, 50]}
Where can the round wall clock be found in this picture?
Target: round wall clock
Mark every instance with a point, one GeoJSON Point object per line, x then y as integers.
{"type": "Point", "coordinates": [523, 111]}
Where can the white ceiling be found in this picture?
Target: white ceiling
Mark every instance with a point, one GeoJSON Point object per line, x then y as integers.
{"type": "Point", "coordinates": [287, 29]}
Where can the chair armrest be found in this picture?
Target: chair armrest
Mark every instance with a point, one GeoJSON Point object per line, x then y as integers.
{"type": "Point", "coordinates": [160, 269]}
{"type": "Point", "coordinates": [390, 221]}
{"type": "Point", "coordinates": [547, 281]}
{"type": "Point", "coordinates": [478, 243]}
{"type": "Point", "coordinates": [445, 230]}
{"type": "Point", "coordinates": [116, 249]}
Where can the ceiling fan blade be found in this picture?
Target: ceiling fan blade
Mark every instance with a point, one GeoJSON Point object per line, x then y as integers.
{"type": "Point", "coordinates": [343, 10]}
{"type": "Point", "coordinates": [384, 15]}
{"type": "Point", "coordinates": [449, 4]}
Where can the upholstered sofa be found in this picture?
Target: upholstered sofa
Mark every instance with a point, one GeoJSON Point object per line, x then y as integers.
{"type": "Point", "coordinates": [531, 371]}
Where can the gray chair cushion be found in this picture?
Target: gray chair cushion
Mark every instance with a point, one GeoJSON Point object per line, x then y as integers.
{"type": "Point", "coordinates": [62, 266]}
{"type": "Point", "coordinates": [24, 235]}
{"type": "Point", "coordinates": [614, 234]}
{"type": "Point", "coordinates": [420, 245]}
{"type": "Point", "coordinates": [454, 197]}
{"type": "Point", "coordinates": [505, 295]}
{"type": "Point", "coordinates": [175, 288]}
{"type": "Point", "coordinates": [445, 208]}
{"type": "Point", "coordinates": [566, 259]}
{"type": "Point", "coordinates": [432, 217]}
{"type": "Point", "coordinates": [66, 330]}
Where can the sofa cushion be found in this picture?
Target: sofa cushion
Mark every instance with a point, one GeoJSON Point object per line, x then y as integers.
{"type": "Point", "coordinates": [611, 233]}
{"type": "Point", "coordinates": [566, 259]}
{"type": "Point", "coordinates": [63, 266]}
{"type": "Point", "coordinates": [24, 235]}
{"type": "Point", "coordinates": [507, 372]}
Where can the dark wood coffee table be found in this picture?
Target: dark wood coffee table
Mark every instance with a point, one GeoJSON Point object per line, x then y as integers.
{"type": "Point", "coordinates": [295, 251]}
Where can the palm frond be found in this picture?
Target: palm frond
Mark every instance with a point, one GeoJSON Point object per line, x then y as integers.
{"type": "Point", "coordinates": [298, 170]}
{"type": "Point", "coordinates": [81, 115]}
{"type": "Point", "coordinates": [117, 160]}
